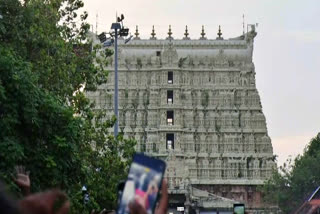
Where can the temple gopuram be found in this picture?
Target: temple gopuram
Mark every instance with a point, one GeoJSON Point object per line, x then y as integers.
{"type": "Point", "coordinates": [194, 103]}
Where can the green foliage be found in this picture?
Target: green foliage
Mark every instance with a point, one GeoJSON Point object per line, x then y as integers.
{"type": "Point", "coordinates": [293, 182]}
{"type": "Point", "coordinates": [47, 64]}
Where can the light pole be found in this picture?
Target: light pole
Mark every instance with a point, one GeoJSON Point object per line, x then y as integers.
{"type": "Point", "coordinates": [116, 26]}
{"type": "Point", "coordinates": [119, 30]}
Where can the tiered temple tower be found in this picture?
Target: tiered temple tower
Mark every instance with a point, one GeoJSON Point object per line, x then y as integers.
{"type": "Point", "coordinates": [194, 103]}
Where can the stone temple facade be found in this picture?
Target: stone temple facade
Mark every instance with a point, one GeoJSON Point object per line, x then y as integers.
{"type": "Point", "coordinates": [194, 103]}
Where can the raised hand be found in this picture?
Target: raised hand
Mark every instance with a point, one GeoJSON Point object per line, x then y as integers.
{"type": "Point", "coordinates": [22, 179]}
{"type": "Point", "coordinates": [51, 202]}
{"type": "Point", "coordinates": [163, 203]}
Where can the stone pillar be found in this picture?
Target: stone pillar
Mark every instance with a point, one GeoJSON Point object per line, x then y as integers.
{"type": "Point", "coordinates": [163, 115]}
{"type": "Point", "coordinates": [177, 143]}
{"type": "Point", "coordinates": [203, 147]}
{"type": "Point", "coordinates": [177, 118]}
{"type": "Point", "coordinates": [134, 78]}
{"type": "Point", "coordinates": [153, 98]}
{"type": "Point", "coordinates": [151, 119]}
{"type": "Point", "coordinates": [127, 121]}
{"type": "Point", "coordinates": [140, 95]}
{"type": "Point", "coordinates": [176, 97]}
{"type": "Point", "coordinates": [199, 98]}
{"type": "Point", "coordinates": [162, 143]}
{"type": "Point", "coordinates": [256, 169]}
{"type": "Point", "coordinates": [189, 119]}
{"type": "Point", "coordinates": [139, 118]}
{"type": "Point", "coordinates": [201, 120]}
{"type": "Point", "coordinates": [163, 97]}
{"type": "Point", "coordinates": [153, 79]}
{"type": "Point", "coordinates": [218, 167]}
{"type": "Point", "coordinates": [188, 98]}
{"type": "Point", "coordinates": [139, 141]}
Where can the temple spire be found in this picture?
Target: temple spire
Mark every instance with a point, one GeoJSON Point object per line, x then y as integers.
{"type": "Point", "coordinates": [137, 33]}
{"type": "Point", "coordinates": [153, 34]}
{"type": "Point", "coordinates": [170, 33]}
{"type": "Point", "coordinates": [203, 33]}
{"type": "Point", "coordinates": [186, 34]}
{"type": "Point", "coordinates": [219, 34]}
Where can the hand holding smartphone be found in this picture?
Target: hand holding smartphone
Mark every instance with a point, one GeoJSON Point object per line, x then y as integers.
{"type": "Point", "coordinates": [143, 184]}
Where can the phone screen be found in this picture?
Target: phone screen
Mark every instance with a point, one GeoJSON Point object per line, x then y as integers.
{"type": "Point", "coordinates": [238, 209]}
{"type": "Point", "coordinates": [142, 186]}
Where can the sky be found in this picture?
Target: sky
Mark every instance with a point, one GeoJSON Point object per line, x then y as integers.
{"type": "Point", "coordinates": [286, 51]}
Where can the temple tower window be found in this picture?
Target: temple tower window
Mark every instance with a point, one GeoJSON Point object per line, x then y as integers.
{"type": "Point", "coordinates": [170, 141]}
{"type": "Point", "coordinates": [170, 117]}
{"type": "Point", "coordinates": [170, 97]}
{"type": "Point", "coordinates": [170, 77]}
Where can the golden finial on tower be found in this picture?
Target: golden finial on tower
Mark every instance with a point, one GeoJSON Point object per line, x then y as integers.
{"type": "Point", "coordinates": [202, 33]}
{"type": "Point", "coordinates": [169, 33]}
{"type": "Point", "coordinates": [153, 34]}
{"type": "Point", "coordinates": [219, 33]}
{"type": "Point", "coordinates": [137, 32]}
{"type": "Point", "coordinates": [186, 34]}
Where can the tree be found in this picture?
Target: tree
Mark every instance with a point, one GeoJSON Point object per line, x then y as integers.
{"type": "Point", "coordinates": [47, 64]}
{"type": "Point", "coordinates": [291, 185]}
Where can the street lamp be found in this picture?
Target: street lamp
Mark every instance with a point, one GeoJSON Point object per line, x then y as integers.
{"type": "Point", "coordinates": [118, 31]}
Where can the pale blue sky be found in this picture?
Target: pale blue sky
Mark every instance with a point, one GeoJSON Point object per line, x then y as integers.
{"type": "Point", "coordinates": [286, 52]}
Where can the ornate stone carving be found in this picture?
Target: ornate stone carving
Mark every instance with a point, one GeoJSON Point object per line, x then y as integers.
{"type": "Point", "coordinates": [220, 133]}
{"type": "Point", "coordinates": [169, 55]}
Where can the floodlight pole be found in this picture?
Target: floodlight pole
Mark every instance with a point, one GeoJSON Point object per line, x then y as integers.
{"type": "Point", "coordinates": [116, 125]}
{"type": "Point", "coordinates": [118, 31]}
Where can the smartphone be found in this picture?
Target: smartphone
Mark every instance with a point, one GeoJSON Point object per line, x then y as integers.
{"type": "Point", "coordinates": [143, 183]}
